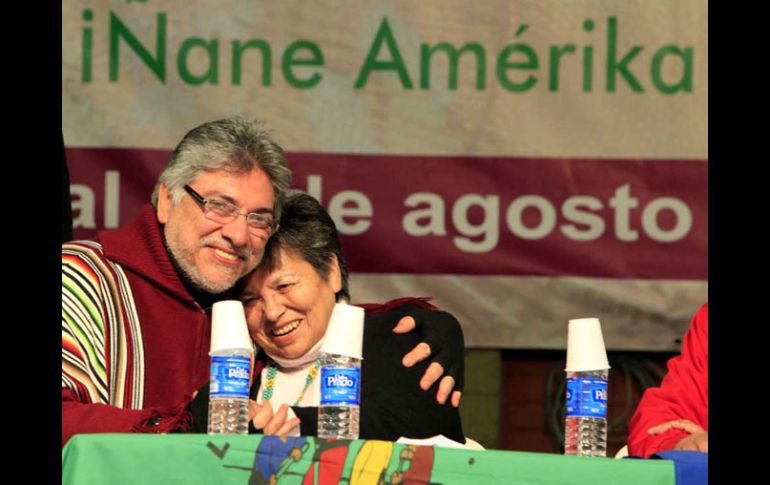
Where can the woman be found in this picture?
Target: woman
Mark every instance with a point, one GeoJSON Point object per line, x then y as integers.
{"type": "Point", "coordinates": [288, 302]}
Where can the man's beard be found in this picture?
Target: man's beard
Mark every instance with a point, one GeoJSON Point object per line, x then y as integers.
{"type": "Point", "coordinates": [189, 273]}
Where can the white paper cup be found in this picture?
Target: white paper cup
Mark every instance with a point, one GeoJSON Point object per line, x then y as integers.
{"type": "Point", "coordinates": [345, 333]}
{"type": "Point", "coordinates": [228, 327]}
{"type": "Point", "coordinates": [585, 346]}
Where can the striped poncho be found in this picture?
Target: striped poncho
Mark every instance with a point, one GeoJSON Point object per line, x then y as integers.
{"type": "Point", "coordinates": [134, 341]}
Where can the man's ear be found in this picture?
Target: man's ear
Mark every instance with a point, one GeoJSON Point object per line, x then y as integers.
{"type": "Point", "coordinates": [164, 204]}
{"type": "Point", "coordinates": [335, 275]}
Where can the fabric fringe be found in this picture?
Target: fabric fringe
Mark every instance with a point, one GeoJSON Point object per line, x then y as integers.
{"type": "Point", "coordinates": [422, 302]}
{"type": "Point", "coordinates": [175, 419]}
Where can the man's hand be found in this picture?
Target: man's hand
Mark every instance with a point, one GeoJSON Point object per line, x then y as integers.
{"type": "Point", "coordinates": [262, 417]}
{"type": "Point", "coordinates": [698, 440]}
{"type": "Point", "coordinates": [441, 334]}
{"type": "Point", "coordinates": [694, 442]}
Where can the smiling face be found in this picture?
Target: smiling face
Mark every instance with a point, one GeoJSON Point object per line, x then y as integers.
{"type": "Point", "coordinates": [288, 309]}
{"type": "Point", "coordinates": [212, 255]}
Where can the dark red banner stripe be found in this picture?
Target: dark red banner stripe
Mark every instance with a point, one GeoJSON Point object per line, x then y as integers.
{"type": "Point", "coordinates": [614, 218]}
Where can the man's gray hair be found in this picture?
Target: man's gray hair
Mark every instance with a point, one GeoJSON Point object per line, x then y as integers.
{"type": "Point", "coordinates": [233, 144]}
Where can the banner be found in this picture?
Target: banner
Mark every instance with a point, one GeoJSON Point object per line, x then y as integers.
{"type": "Point", "coordinates": [522, 162]}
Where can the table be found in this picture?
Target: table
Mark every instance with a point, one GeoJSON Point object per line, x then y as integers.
{"type": "Point", "coordinates": [255, 459]}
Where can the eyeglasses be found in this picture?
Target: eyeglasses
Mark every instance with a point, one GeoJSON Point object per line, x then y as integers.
{"type": "Point", "coordinates": [223, 212]}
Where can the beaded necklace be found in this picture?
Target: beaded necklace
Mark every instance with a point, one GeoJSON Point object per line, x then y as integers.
{"type": "Point", "coordinates": [272, 371]}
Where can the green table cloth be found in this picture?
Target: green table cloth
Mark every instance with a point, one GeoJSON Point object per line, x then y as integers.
{"type": "Point", "coordinates": [255, 459]}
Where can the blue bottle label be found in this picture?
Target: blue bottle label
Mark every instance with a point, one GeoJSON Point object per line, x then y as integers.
{"type": "Point", "coordinates": [230, 376]}
{"type": "Point", "coordinates": [586, 397]}
{"type": "Point", "coordinates": [340, 386]}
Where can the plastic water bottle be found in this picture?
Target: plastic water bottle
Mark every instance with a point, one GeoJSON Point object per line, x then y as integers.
{"type": "Point", "coordinates": [229, 392]}
{"type": "Point", "coordinates": [338, 414]}
{"type": "Point", "coordinates": [231, 353]}
{"type": "Point", "coordinates": [341, 355]}
{"type": "Point", "coordinates": [585, 427]}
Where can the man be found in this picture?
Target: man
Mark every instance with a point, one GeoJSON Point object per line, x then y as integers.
{"type": "Point", "coordinates": [675, 415]}
{"type": "Point", "coordinates": [136, 302]}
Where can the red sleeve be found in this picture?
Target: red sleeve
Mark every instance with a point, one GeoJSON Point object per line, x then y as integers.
{"type": "Point", "coordinates": [683, 394]}
{"type": "Point", "coordinates": [79, 417]}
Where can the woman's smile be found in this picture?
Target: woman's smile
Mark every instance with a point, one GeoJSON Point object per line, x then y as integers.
{"type": "Point", "coordinates": [288, 308]}
{"type": "Point", "coordinates": [285, 329]}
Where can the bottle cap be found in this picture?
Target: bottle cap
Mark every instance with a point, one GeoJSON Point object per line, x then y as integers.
{"type": "Point", "coordinates": [345, 333]}
{"type": "Point", "coordinates": [585, 346]}
{"type": "Point", "coordinates": [228, 327]}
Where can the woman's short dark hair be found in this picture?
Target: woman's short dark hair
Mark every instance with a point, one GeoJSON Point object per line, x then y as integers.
{"type": "Point", "coordinates": [309, 231]}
